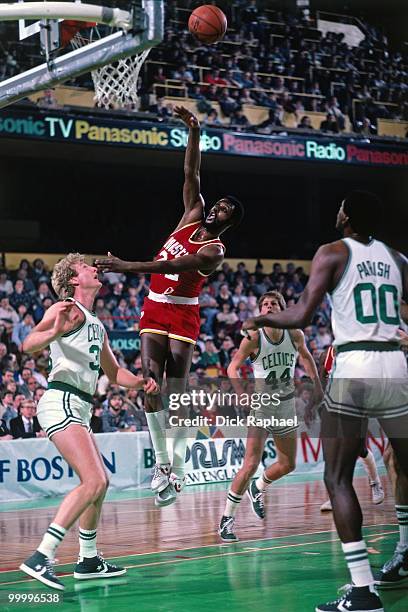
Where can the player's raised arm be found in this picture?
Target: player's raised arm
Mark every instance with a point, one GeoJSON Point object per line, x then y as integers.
{"type": "Point", "coordinates": [322, 273]}
{"type": "Point", "coordinates": [247, 347]}
{"type": "Point", "coordinates": [193, 200]}
{"type": "Point", "coordinates": [59, 319]}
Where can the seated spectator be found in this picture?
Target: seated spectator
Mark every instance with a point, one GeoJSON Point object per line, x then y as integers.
{"type": "Point", "coordinates": [40, 272]}
{"type": "Point", "coordinates": [306, 123]}
{"type": "Point", "coordinates": [37, 375]}
{"type": "Point", "coordinates": [183, 74]}
{"type": "Point", "coordinates": [21, 331]}
{"type": "Point", "coordinates": [103, 313]}
{"type": "Point", "coordinates": [224, 296]}
{"type": "Point", "coordinates": [7, 312]}
{"type": "Point", "coordinates": [116, 417]}
{"type": "Point", "coordinates": [227, 103]}
{"type": "Point", "coordinates": [213, 77]}
{"type": "Point", "coordinates": [26, 425]}
{"type": "Point", "coordinates": [48, 100]}
{"type": "Point", "coordinates": [162, 110]}
{"type": "Point", "coordinates": [20, 296]}
{"type": "Point", "coordinates": [365, 127]}
{"type": "Point", "coordinates": [6, 286]}
{"type": "Point", "coordinates": [330, 124]}
{"type": "Point", "coordinates": [226, 319]}
{"type": "Point", "coordinates": [29, 286]}
{"type": "Point", "coordinates": [323, 338]}
{"type": "Point", "coordinates": [246, 97]}
{"type": "Point", "coordinates": [212, 120]}
{"type": "Point", "coordinates": [239, 121]}
{"type": "Point", "coordinates": [8, 411]}
{"type": "Point", "coordinates": [210, 355]}
{"type": "Point", "coordinates": [121, 315]}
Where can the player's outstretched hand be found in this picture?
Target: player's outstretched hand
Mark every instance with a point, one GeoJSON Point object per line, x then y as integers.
{"type": "Point", "coordinates": [150, 386]}
{"type": "Point", "coordinates": [110, 264]}
{"type": "Point", "coordinates": [186, 116]}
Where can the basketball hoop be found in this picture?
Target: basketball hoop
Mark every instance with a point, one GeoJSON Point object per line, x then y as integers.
{"type": "Point", "coordinates": [115, 84]}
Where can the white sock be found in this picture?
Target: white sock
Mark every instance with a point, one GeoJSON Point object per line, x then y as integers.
{"type": "Point", "coordinates": [87, 543]}
{"type": "Point", "coordinates": [262, 482]}
{"type": "Point", "coordinates": [402, 516]}
{"type": "Point", "coordinates": [52, 538]}
{"type": "Point", "coordinates": [370, 467]}
{"type": "Point", "coordinates": [233, 501]}
{"type": "Point", "coordinates": [157, 428]}
{"type": "Point", "coordinates": [179, 450]}
{"type": "Point", "coordinates": [358, 564]}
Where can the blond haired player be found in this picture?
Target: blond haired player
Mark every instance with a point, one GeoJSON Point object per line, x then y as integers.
{"type": "Point", "coordinates": [273, 353]}
{"type": "Point", "coordinates": [79, 347]}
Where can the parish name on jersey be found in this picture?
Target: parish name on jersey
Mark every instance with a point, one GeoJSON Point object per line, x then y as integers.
{"type": "Point", "coordinates": [95, 332]}
{"type": "Point", "coordinates": [373, 268]}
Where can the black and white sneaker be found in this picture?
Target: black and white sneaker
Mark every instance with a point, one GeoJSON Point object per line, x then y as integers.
{"type": "Point", "coordinates": [41, 567]}
{"type": "Point", "coordinates": [355, 599]}
{"type": "Point", "coordinates": [225, 530]}
{"type": "Point", "coordinates": [257, 502]}
{"type": "Point", "coordinates": [88, 568]}
{"type": "Point", "coordinates": [394, 573]}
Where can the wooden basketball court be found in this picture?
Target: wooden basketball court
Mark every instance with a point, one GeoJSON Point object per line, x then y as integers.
{"type": "Point", "coordinates": [176, 561]}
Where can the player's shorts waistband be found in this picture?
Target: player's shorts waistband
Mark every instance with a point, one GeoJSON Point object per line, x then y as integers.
{"type": "Point", "coordinates": [172, 299]}
{"type": "Point", "coordinates": [60, 386]}
{"type": "Point", "coordinates": [368, 346]}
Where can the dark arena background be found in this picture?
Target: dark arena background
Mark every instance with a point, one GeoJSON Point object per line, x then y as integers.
{"type": "Point", "coordinates": [302, 102]}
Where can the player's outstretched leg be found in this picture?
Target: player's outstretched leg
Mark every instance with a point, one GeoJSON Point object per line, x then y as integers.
{"type": "Point", "coordinates": [394, 573]}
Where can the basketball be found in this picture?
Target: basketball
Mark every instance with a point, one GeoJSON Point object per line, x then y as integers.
{"type": "Point", "coordinates": [208, 23]}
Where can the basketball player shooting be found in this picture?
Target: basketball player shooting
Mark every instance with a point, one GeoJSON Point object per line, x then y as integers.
{"type": "Point", "coordinates": [367, 280]}
{"type": "Point", "coordinates": [170, 320]}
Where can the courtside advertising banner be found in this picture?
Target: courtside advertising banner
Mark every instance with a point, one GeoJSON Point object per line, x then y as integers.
{"type": "Point", "coordinates": [33, 468]}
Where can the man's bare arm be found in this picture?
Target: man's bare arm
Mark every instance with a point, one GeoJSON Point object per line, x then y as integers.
{"type": "Point", "coordinates": [322, 276]}
{"type": "Point", "coordinates": [193, 200]}
{"type": "Point", "coordinates": [206, 261]}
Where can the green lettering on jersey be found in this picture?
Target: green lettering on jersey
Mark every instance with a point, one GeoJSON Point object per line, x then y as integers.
{"type": "Point", "coordinates": [365, 298]}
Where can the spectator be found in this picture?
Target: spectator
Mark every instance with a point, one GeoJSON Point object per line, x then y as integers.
{"type": "Point", "coordinates": [210, 355]}
{"type": "Point", "coordinates": [115, 417]}
{"type": "Point", "coordinates": [26, 425]}
{"type": "Point", "coordinates": [306, 123]}
{"type": "Point", "coordinates": [7, 407]}
{"type": "Point", "coordinates": [20, 296]}
{"type": "Point", "coordinates": [6, 286]}
{"type": "Point", "coordinates": [330, 124]}
{"type": "Point", "coordinates": [121, 315]}
{"type": "Point", "coordinates": [21, 331]}
{"type": "Point", "coordinates": [7, 312]}
{"type": "Point", "coordinates": [4, 431]}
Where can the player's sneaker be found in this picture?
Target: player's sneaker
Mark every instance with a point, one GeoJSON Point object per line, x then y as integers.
{"type": "Point", "coordinates": [160, 480]}
{"type": "Point", "coordinates": [377, 492]}
{"type": "Point", "coordinates": [257, 502]}
{"type": "Point", "coordinates": [356, 599]}
{"type": "Point", "coordinates": [395, 572]}
{"type": "Point", "coordinates": [41, 567]}
{"type": "Point", "coordinates": [169, 494]}
{"type": "Point", "coordinates": [226, 529]}
{"type": "Point", "coordinates": [326, 507]}
{"type": "Point", "coordinates": [88, 568]}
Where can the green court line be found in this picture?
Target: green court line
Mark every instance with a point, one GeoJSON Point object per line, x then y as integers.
{"type": "Point", "coordinates": [285, 574]}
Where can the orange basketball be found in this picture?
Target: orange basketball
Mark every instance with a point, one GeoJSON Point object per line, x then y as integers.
{"type": "Point", "coordinates": [208, 23]}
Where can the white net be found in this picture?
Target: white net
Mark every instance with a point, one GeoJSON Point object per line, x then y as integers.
{"type": "Point", "coordinates": [115, 84]}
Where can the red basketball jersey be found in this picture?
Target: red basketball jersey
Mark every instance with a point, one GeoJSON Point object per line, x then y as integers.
{"type": "Point", "coordinates": [179, 243]}
{"type": "Point", "coordinates": [328, 362]}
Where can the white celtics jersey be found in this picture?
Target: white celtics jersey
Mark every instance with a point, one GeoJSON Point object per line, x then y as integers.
{"type": "Point", "coordinates": [275, 361]}
{"type": "Point", "coordinates": [366, 301]}
{"type": "Point", "coordinates": [75, 356]}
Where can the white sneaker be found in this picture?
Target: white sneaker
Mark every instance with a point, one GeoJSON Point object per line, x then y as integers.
{"type": "Point", "coordinates": [326, 507]}
{"type": "Point", "coordinates": [168, 496]}
{"type": "Point", "coordinates": [160, 480]}
{"type": "Point", "coordinates": [377, 492]}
